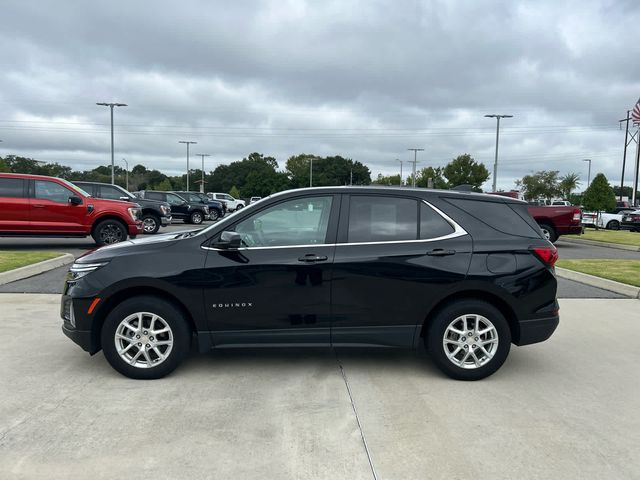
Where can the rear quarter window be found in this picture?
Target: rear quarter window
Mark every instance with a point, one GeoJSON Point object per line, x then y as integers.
{"type": "Point", "coordinates": [12, 187]}
{"type": "Point", "coordinates": [498, 215]}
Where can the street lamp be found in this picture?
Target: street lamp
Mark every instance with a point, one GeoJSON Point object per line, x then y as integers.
{"type": "Point", "coordinates": [126, 173]}
{"type": "Point", "coordinates": [589, 174]}
{"type": "Point", "coordinates": [415, 160]}
{"type": "Point", "coordinates": [203, 155]}
{"type": "Point", "coordinates": [495, 164]}
{"type": "Point", "coordinates": [111, 105]}
{"type": "Point", "coordinates": [187, 143]}
{"type": "Point", "coordinates": [401, 162]}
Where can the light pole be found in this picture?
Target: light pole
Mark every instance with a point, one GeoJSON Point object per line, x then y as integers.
{"type": "Point", "coordinates": [588, 174]}
{"type": "Point", "coordinates": [401, 162]}
{"type": "Point", "coordinates": [311, 171]}
{"type": "Point", "coordinates": [203, 155]}
{"type": "Point", "coordinates": [126, 172]}
{"type": "Point", "coordinates": [187, 142]}
{"type": "Point", "coordinates": [111, 105]}
{"type": "Point", "coordinates": [495, 163]}
{"type": "Point", "coordinates": [415, 160]}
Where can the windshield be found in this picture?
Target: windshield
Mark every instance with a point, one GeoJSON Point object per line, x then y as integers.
{"type": "Point", "coordinates": [74, 187]}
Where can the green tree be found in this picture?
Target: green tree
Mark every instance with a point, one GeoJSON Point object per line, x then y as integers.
{"type": "Point", "coordinates": [164, 185]}
{"type": "Point", "coordinates": [387, 180]}
{"type": "Point", "coordinates": [464, 170]}
{"type": "Point", "coordinates": [599, 196]}
{"type": "Point", "coordinates": [4, 168]}
{"type": "Point", "coordinates": [542, 184]}
{"type": "Point", "coordinates": [568, 183]}
{"type": "Point", "coordinates": [335, 170]}
{"type": "Point", "coordinates": [234, 192]}
{"type": "Point", "coordinates": [435, 174]}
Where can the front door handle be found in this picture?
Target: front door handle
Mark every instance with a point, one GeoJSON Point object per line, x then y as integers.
{"type": "Point", "coordinates": [312, 257]}
{"type": "Point", "coordinates": [440, 252]}
{"type": "Point", "coordinates": [37, 205]}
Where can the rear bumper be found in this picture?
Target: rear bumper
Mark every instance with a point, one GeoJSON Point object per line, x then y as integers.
{"type": "Point", "coordinates": [537, 330]}
{"type": "Point", "coordinates": [571, 230]}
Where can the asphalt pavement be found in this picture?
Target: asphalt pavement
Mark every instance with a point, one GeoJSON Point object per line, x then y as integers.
{"type": "Point", "coordinates": [575, 251]}
{"type": "Point", "coordinates": [566, 408]}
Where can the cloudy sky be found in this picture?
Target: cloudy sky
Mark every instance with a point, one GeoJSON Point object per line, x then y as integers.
{"type": "Point", "coordinates": [362, 79]}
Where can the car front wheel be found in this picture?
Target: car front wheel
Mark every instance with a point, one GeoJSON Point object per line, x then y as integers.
{"type": "Point", "coordinates": [469, 340]}
{"type": "Point", "coordinates": [150, 223]}
{"type": "Point", "coordinates": [613, 225]}
{"type": "Point", "coordinates": [145, 337]}
{"type": "Point", "coordinates": [108, 232]}
{"type": "Point", "coordinates": [196, 218]}
{"type": "Point", "coordinates": [213, 215]}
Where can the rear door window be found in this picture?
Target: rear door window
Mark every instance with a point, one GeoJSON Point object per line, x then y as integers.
{"type": "Point", "coordinates": [382, 219]}
{"type": "Point", "coordinates": [110, 193]}
{"type": "Point", "coordinates": [12, 187]}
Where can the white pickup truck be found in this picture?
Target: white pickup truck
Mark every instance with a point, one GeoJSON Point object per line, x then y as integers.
{"type": "Point", "coordinates": [231, 203]}
{"type": "Point", "coordinates": [610, 221]}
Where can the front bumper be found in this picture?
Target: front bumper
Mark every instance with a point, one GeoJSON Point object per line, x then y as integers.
{"type": "Point", "coordinates": [536, 330]}
{"type": "Point", "coordinates": [135, 228]}
{"type": "Point", "coordinates": [76, 325]}
{"type": "Point", "coordinates": [164, 221]}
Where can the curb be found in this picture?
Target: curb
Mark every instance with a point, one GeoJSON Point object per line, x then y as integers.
{"type": "Point", "coordinates": [598, 282]}
{"type": "Point", "coordinates": [617, 246]}
{"type": "Point", "coordinates": [35, 269]}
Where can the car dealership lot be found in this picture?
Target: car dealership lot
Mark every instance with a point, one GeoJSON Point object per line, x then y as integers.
{"type": "Point", "coordinates": [566, 408]}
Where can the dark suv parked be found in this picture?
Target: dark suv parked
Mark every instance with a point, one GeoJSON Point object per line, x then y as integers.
{"type": "Point", "coordinates": [154, 213]}
{"type": "Point", "coordinates": [216, 209]}
{"type": "Point", "coordinates": [181, 209]}
{"type": "Point", "coordinates": [465, 274]}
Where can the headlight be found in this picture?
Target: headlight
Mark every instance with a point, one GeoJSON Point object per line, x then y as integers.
{"type": "Point", "coordinates": [165, 209]}
{"type": "Point", "coordinates": [135, 213]}
{"type": "Point", "coordinates": [79, 270]}
{"type": "Point", "coordinates": [206, 209]}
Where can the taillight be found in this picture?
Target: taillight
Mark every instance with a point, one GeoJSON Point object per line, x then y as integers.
{"type": "Point", "coordinates": [548, 254]}
{"type": "Point", "coordinates": [577, 215]}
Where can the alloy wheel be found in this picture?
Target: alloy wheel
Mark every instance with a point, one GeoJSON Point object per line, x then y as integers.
{"type": "Point", "coordinates": [143, 340]}
{"type": "Point", "coordinates": [110, 234]}
{"type": "Point", "coordinates": [149, 224]}
{"type": "Point", "coordinates": [470, 341]}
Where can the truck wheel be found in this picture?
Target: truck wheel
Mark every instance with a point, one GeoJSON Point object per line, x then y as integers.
{"type": "Point", "coordinates": [151, 223]}
{"type": "Point", "coordinates": [214, 215]}
{"type": "Point", "coordinates": [145, 337]}
{"type": "Point", "coordinates": [108, 232]}
{"type": "Point", "coordinates": [548, 232]}
{"type": "Point", "coordinates": [469, 339]}
{"type": "Point", "coordinates": [196, 218]}
{"type": "Point", "coordinates": [613, 225]}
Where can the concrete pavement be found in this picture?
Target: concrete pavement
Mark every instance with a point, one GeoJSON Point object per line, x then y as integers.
{"type": "Point", "coordinates": [566, 408]}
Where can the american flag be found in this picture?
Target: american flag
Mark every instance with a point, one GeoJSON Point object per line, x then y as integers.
{"type": "Point", "coordinates": [635, 113]}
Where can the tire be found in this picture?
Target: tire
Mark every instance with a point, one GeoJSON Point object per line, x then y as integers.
{"type": "Point", "coordinates": [239, 207]}
{"type": "Point", "coordinates": [442, 343]}
{"type": "Point", "coordinates": [109, 231]}
{"type": "Point", "coordinates": [548, 232]}
{"type": "Point", "coordinates": [214, 215]}
{"type": "Point", "coordinates": [173, 343]}
{"type": "Point", "coordinates": [613, 225]}
{"type": "Point", "coordinates": [196, 217]}
{"type": "Point", "coordinates": [150, 223]}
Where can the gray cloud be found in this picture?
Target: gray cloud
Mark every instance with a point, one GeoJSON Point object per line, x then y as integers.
{"type": "Point", "coordinates": [361, 79]}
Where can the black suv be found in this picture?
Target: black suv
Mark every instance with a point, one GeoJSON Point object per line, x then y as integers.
{"type": "Point", "coordinates": [154, 213]}
{"type": "Point", "coordinates": [216, 209]}
{"type": "Point", "coordinates": [190, 212]}
{"type": "Point", "coordinates": [464, 274]}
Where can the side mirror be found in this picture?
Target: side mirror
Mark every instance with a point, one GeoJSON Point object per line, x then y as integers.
{"type": "Point", "coordinates": [229, 240]}
{"type": "Point", "coordinates": [75, 200]}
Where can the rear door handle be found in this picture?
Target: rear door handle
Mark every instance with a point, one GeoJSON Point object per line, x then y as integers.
{"type": "Point", "coordinates": [440, 252]}
{"type": "Point", "coordinates": [312, 257]}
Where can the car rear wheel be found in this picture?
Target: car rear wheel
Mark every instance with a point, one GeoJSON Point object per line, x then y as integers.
{"type": "Point", "coordinates": [469, 340]}
{"type": "Point", "coordinates": [196, 218]}
{"type": "Point", "coordinates": [108, 232]}
{"type": "Point", "coordinates": [150, 223]}
{"type": "Point", "coordinates": [548, 232]}
{"type": "Point", "coordinates": [613, 225]}
{"type": "Point", "coordinates": [145, 337]}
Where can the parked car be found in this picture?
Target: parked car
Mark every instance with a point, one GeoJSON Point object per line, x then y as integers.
{"type": "Point", "coordinates": [34, 205]}
{"type": "Point", "coordinates": [464, 274]}
{"type": "Point", "coordinates": [555, 221]}
{"type": "Point", "coordinates": [609, 220]}
{"type": "Point", "coordinates": [254, 199]}
{"type": "Point", "coordinates": [631, 221]}
{"type": "Point", "coordinates": [189, 212]}
{"type": "Point", "coordinates": [231, 203]}
{"type": "Point", "coordinates": [154, 213]}
{"type": "Point", "coordinates": [216, 209]}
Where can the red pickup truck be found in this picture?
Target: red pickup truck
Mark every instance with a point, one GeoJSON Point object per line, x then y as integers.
{"type": "Point", "coordinates": [34, 205]}
{"type": "Point", "coordinates": [557, 220]}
